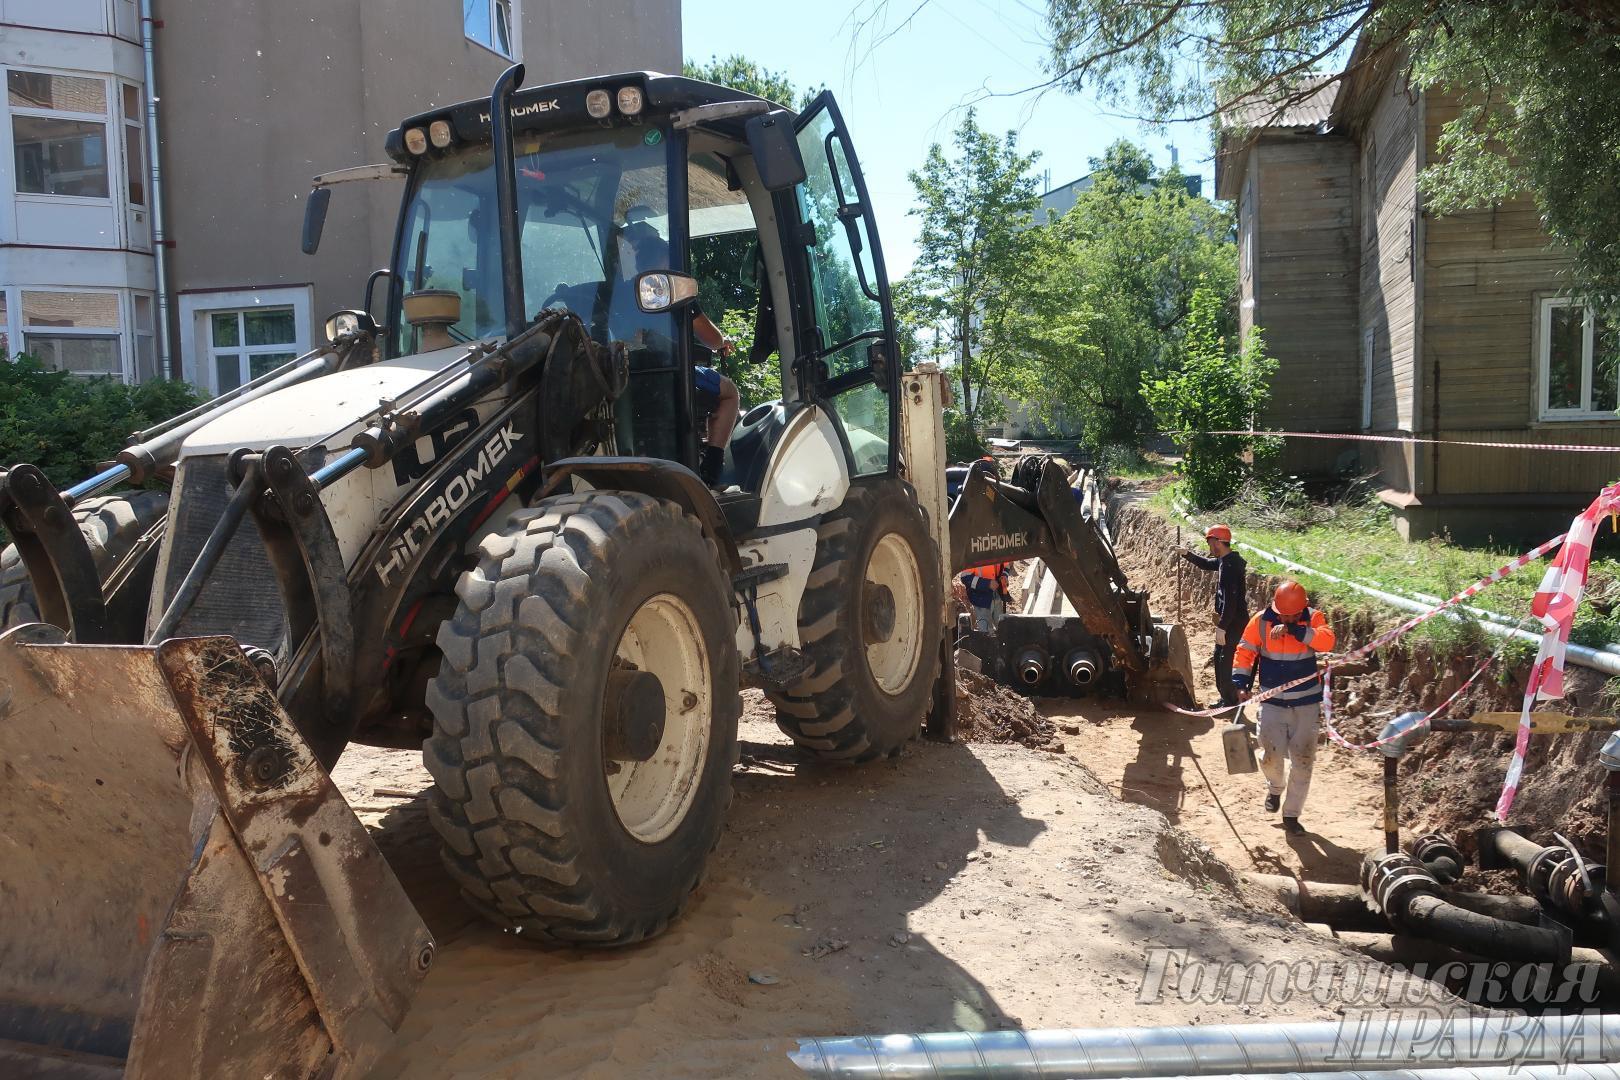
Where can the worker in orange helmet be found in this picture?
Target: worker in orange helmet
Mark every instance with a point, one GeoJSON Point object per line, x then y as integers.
{"type": "Point", "coordinates": [1279, 645]}
{"type": "Point", "coordinates": [1231, 602]}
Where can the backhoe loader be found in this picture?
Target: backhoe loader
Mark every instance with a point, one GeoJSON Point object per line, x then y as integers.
{"type": "Point", "coordinates": [472, 523]}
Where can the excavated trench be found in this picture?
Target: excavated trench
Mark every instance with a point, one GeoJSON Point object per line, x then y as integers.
{"type": "Point", "coordinates": [1448, 784]}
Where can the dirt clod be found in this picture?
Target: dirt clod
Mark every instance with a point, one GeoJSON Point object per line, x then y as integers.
{"type": "Point", "coordinates": [990, 712]}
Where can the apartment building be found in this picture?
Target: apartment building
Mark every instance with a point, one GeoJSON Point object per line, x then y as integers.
{"type": "Point", "coordinates": [191, 269]}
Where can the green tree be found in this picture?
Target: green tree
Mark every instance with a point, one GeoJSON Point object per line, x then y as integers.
{"type": "Point", "coordinates": [741, 73]}
{"type": "Point", "coordinates": [1542, 101]}
{"type": "Point", "coordinates": [1106, 290]}
{"type": "Point", "coordinates": [1214, 389]}
{"type": "Point", "coordinates": [975, 208]}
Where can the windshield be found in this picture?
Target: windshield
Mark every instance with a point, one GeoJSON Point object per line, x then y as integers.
{"type": "Point", "coordinates": [594, 212]}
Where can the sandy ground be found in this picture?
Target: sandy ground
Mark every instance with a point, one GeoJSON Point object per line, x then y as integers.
{"type": "Point", "coordinates": [964, 886]}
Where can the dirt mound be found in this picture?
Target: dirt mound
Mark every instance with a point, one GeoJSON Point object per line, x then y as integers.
{"type": "Point", "coordinates": [989, 712]}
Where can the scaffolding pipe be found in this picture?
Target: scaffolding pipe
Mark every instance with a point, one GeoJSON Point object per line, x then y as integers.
{"type": "Point", "coordinates": [1596, 659]}
{"type": "Point", "coordinates": [1383, 1043]}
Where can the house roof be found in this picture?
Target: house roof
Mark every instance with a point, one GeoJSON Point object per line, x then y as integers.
{"type": "Point", "coordinates": [1305, 107]}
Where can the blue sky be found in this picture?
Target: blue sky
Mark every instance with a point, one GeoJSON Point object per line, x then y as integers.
{"type": "Point", "coordinates": [902, 84]}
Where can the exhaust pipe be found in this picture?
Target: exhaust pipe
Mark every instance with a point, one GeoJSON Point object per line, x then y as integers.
{"type": "Point", "coordinates": [1031, 665]}
{"type": "Point", "coordinates": [1093, 1053]}
{"type": "Point", "coordinates": [1081, 665]}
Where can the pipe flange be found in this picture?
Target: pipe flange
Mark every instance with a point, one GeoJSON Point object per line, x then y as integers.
{"type": "Point", "coordinates": [1538, 875]}
{"type": "Point", "coordinates": [1394, 879]}
{"type": "Point", "coordinates": [1433, 848]}
{"type": "Point", "coordinates": [1567, 886]}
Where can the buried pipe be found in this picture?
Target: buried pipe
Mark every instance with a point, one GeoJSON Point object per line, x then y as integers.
{"type": "Point", "coordinates": [1344, 907]}
{"type": "Point", "coordinates": [1598, 659]}
{"type": "Point", "coordinates": [1556, 875]}
{"type": "Point", "coordinates": [1377, 1042]}
{"type": "Point", "coordinates": [1081, 666]}
{"type": "Point", "coordinates": [1031, 665]}
{"type": "Point", "coordinates": [1409, 896]}
{"type": "Point", "coordinates": [1439, 856]}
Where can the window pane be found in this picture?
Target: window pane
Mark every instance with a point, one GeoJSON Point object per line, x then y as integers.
{"type": "Point", "coordinates": [1564, 357]}
{"type": "Point", "coordinates": [225, 328]}
{"type": "Point", "coordinates": [1606, 366]}
{"type": "Point", "coordinates": [227, 372]}
{"type": "Point", "coordinates": [135, 159]}
{"type": "Point", "coordinates": [143, 313]}
{"type": "Point", "coordinates": [274, 327]}
{"type": "Point", "coordinates": [475, 20]}
{"type": "Point", "coordinates": [843, 308]}
{"type": "Point", "coordinates": [145, 358]}
{"type": "Point", "coordinates": [132, 104]}
{"type": "Point", "coordinates": [60, 157]}
{"type": "Point", "coordinates": [267, 362]}
{"type": "Point", "coordinates": [864, 411]}
{"type": "Point", "coordinates": [77, 309]}
{"type": "Point", "coordinates": [86, 355]}
{"type": "Point", "coordinates": [61, 93]}
{"type": "Point", "coordinates": [503, 26]}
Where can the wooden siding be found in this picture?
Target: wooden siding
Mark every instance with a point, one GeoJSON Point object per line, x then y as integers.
{"type": "Point", "coordinates": [1479, 471]}
{"type": "Point", "coordinates": [1387, 213]}
{"type": "Point", "coordinates": [1304, 286]}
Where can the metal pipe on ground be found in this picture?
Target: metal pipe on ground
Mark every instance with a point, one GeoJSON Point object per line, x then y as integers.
{"type": "Point", "coordinates": [1381, 1043]}
{"type": "Point", "coordinates": [1410, 897]}
{"type": "Point", "coordinates": [1597, 659]}
{"type": "Point", "coordinates": [1344, 907]}
{"type": "Point", "coordinates": [1404, 951]}
{"type": "Point", "coordinates": [1594, 1071]}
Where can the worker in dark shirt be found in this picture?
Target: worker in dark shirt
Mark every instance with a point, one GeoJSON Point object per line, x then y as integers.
{"type": "Point", "coordinates": [1231, 602]}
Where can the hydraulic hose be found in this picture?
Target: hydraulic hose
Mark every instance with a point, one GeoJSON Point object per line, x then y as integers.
{"type": "Point", "coordinates": [1382, 1044]}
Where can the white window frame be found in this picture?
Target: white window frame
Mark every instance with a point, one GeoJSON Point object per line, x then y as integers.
{"type": "Point", "coordinates": [196, 359]}
{"type": "Point", "coordinates": [111, 93]}
{"type": "Point", "coordinates": [513, 30]}
{"type": "Point", "coordinates": [19, 343]}
{"type": "Point", "coordinates": [138, 123]}
{"type": "Point", "coordinates": [1544, 363]}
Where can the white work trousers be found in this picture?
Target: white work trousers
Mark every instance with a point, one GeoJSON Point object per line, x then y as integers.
{"type": "Point", "coordinates": [1288, 733]}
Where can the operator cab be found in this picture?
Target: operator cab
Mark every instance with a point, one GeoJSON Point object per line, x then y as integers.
{"type": "Point", "coordinates": [641, 199]}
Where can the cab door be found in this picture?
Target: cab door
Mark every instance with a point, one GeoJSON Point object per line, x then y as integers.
{"type": "Point", "coordinates": [854, 366]}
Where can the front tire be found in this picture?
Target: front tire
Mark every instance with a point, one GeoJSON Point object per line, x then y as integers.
{"type": "Point", "coordinates": [557, 821]}
{"type": "Point", "coordinates": [870, 623]}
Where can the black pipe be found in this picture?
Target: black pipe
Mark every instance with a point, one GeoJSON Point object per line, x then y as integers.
{"type": "Point", "coordinates": [1392, 805]}
{"type": "Point", "coordinates": [1439, 855]}
{"type": "Point", "coordinates": [506, 211]}
{"type": "Point", "coordinates": [1613, 785]}
{"type": "Point", "coordinates": [1429, 916]}
{"type": "Point", "coordinates": [1514, 848]}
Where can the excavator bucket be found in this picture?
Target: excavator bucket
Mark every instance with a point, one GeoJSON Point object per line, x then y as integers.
{"type": "Point", "coordinates": [186, 894]}
{"type": "Point", "coordinates": [1106, 633]}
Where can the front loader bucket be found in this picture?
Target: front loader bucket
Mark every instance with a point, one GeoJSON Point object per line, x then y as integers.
{"type": "Point", "coordinates": [185, 893]}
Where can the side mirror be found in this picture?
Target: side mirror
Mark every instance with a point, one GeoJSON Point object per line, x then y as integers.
{"type": "Point", "coordinates": [664, 290]}
{"type": "Point", "coordinates": [775, 150]}
{"type": "Point", "coordinates": [315, 218]}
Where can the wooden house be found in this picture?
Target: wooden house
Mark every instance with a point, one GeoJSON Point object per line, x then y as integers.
{"type": "Point", "coordinates": [1388, 319]}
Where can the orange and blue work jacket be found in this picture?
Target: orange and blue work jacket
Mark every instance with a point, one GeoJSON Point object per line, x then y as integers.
{"type": "Point", "coordinates": [1282, 652]}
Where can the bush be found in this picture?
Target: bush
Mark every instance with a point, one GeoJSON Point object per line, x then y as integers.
{"type": "Point", "coordinates": [962, 443]}
{"type": "Point", "coordinates": [69, 425]}
{"type": "Point", "coordinates": [1215, 389]}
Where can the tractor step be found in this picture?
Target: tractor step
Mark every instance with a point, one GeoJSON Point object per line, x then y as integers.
{"type": "Point", "coordinates": [754, 576]}
{"type": "Point", "coordinates": [778, 669]}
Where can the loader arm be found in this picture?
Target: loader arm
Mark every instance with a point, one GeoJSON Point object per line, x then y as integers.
{"type": "Point", "coordinates": [995, 521]}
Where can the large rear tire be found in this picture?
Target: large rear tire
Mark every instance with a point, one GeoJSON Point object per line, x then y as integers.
{"type": "Point", "coordinates": [551, 825]}
{"type": "Point", "coordinates": [870, 623]}
{"type": "Point", "coordinates": [111, 526]}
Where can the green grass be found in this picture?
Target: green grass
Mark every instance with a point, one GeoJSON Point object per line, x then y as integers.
{"type": "Point", "coordinates": [1356, 540]}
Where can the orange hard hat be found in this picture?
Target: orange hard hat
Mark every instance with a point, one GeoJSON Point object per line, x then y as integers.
{"type": "Point", "coordinates": [1218, 532]}
{"type": "Point", "coordinates": [1290, 598]}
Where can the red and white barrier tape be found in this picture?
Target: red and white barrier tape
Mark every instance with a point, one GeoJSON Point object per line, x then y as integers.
{"type": "Point", "coordinates": [1571, 448]}
{"type": "Point", "coordinates": [1555, 602]}
{"type": "Point", "coordinates": [1372, 646]}
{"type": "Point", "coordinates": [1403, 731]}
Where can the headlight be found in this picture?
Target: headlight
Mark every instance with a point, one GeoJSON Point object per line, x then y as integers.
{"type": "Point", "coordinates": [598, 104]}
{"type": "Point", "coordinates": [416, 141]}
{"type": "Point", "coordinates": [630, 100]}
{"type": "Point", "coordinates": [439, 133]}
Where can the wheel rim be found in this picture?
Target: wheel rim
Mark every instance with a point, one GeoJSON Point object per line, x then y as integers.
{"type": "Point", "coordinates": [894, 661]}
{"type": "Point", "coordinates": [652, 797]}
